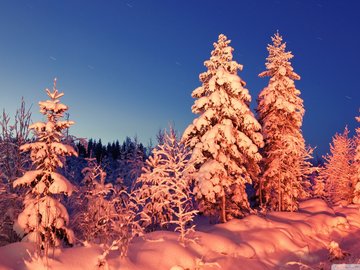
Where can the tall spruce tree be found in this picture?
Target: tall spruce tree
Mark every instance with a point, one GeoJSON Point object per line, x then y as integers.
{"type": "Point", "coordinates": [280, 112]}
{"type": "Point", "coordinates": [44, 219]}
{"type": "Point", "coordinates": [225, 138]}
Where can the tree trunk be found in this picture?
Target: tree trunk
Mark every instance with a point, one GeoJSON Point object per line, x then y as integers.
{"type": "Point", "coordinates": [223, 206]}
{"type": "Point", "coordinates": [279, 196]}
{"type": "Point", "coordinates": [260, 193]}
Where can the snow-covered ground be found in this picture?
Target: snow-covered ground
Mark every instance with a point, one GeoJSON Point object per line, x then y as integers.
{"type": "Point", "coordinates": [279, 240]}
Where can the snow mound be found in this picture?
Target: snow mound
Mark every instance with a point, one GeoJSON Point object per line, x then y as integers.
{"type": "Point", "coordinates": [316, 236]}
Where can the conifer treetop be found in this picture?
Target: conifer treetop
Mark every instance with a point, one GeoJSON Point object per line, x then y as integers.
{"type": "Point", "coordinates": [221, 56]}
{"type": "Point", "coordinates": [52, 108]}
{"type": "Point", "coordinates": [278, 62]}
{"type": "Point", "coordinates": [219, 62]}
{"type": "Point", "coordinates": [281, 93]}
{"type": "Point", "coordinates": [48, 151]}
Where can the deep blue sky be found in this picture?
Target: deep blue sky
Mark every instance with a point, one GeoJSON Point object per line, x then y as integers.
{"type": "Point", "coordinates": [128, 67]}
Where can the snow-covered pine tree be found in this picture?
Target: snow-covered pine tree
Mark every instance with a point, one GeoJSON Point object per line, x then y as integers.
{"type": "Point", "coordinates": [152, 189]}
{"type": "Point", "coordinates": [280, 112]}
{"type": "Point", "coordinates": [178, 168]}
{"type": "Point", "coordinates": [356, 164]}
{"type": "Point", "coordinates": [338, 169]}
{"type": "Point", "coordinates": [44, 219]}
{"type": "Point", "coordinates": [225, 138]}
{"type": "Point", "coordinates": [165, 184]}
{"type": "Point", "coordinates": [319, 187]}
{"type": "Point", "coordinates": [183, 210]}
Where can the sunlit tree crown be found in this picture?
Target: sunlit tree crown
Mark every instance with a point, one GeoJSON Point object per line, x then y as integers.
{"type": "Point", "coordinates": [278, 62]}
{"type": "Point", "coordinates": [222, 57]}
{"type": "Point", "coordinates": [281, 93]}
{"type": "Point", "coordinates": [48, 151]}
